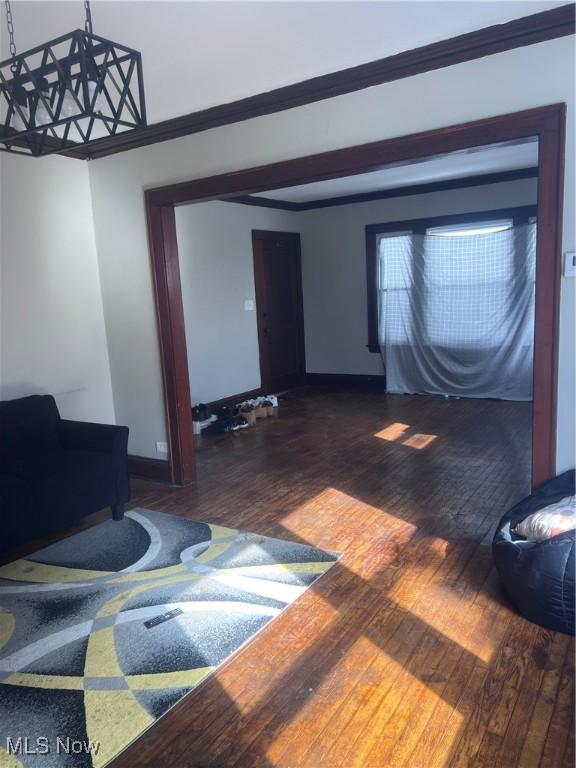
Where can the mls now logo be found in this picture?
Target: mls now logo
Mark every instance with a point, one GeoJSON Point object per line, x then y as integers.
{"type": "Point", "coordinates": [23, 745]}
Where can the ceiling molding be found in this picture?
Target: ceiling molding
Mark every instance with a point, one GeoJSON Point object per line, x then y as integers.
{"type": "Point", "coordinates": [267, 202]}
{"type": "Point", "coordinates": [364, 197]}
{"type": "Point", "coordinates": [536, 28]}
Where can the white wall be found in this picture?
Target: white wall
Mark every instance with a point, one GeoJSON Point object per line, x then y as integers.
{"type": "Point", "coordinates": [507, 82]}
{"type": "Point", "coordinates": [51, 318]}
{"type": "Point", "coordinates": [334, 267]}
{"type": "Point", "coordinates": [217, 275]}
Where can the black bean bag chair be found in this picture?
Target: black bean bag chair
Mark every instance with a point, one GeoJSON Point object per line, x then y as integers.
{"type": "Point", "coordinates": [538, 576]}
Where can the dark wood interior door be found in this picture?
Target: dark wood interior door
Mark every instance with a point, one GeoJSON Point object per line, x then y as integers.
{"type": "Point", "coordinates": [278, 282]}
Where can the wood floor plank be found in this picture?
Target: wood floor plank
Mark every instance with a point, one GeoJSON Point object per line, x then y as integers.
{"type": "Point", "coordinates": [496, 699]}
{"type": "Point", "coordinates": [414, 635]}
{"type": "Point", "coordinates": [429, 717]}
{"type": "Point", "coordinates": [345, 743]}
{"type": "Point", "coordinates": [559, 745]}
{"type": "Point", "coordinates": [550, 658]}
{"type": "Point", "coordinates": [406, 654]}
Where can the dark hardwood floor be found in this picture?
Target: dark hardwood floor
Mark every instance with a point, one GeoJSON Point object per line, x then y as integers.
{"type": "Point", "coordinates": [406, 653]}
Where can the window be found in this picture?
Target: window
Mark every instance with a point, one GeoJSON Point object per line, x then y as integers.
{"type": "Point", "coordinates": [467, 230]}
{"type": "Point", "coordinates": [461, 225]}
{"type": "Point", "coordinates": [395, 244]}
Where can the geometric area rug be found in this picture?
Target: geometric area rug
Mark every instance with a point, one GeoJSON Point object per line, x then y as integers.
{"type": "Point", "coordinates": [103, 632]}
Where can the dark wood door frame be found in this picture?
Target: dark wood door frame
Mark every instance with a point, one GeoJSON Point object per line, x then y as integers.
{"type": "Point", "coordinates": [545, 123]}
{"type": "Point", "coordinates": [260, 288]}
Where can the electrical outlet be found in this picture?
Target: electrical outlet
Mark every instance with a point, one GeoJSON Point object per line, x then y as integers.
{"type": "Point", "coordinates": [249, 305]}
{"type": "Point", "coordinates": [161, 447]}
{"type": "Point", "coordinates": [570, 264]}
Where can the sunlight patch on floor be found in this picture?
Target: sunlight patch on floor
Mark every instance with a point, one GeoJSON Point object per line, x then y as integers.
{"type": "Point", "coordinates": [370, 665]}
{"type": "Point", "coordinates": [397, 725]}
{"type": "Point", "coordinates": [394, 433]}
{"type": "Point", "coordinates": [329, 520]}
{"type": "Point", "coordinates": [466, 624]}
{"type": "Point", "coordinates": [285, 650]}
{"type": "Point", "coordinates": [422, 743]}
{"type": "Point", "coordinates": [419, 441]}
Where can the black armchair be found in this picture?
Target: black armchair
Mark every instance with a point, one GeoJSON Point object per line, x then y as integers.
{"type": "Point", "coordinates": [53, 471]}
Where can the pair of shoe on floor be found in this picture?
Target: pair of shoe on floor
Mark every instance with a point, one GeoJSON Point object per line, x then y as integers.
{"type": "Point", "coordinates": [231, 419]}
{"type": "Point", "coordinates": [259, 408]}
{"type": "Point", "coordinates": [228, 420]}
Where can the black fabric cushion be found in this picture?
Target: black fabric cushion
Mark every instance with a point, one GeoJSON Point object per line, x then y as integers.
{"type": "Point", "coordinates": [28, 424]}
{"type": "Point", "coordinates": [538, 576]}
{"type": "Point", "coordinates": [67, 485]}
{"type": "Point", "coordinates": [16, 494]}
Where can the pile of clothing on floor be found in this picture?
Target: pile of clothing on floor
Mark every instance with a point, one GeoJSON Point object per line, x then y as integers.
{"type": "Point", "coordinates": [232, 418]}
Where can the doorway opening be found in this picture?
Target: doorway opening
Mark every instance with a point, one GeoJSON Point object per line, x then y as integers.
{"type": "Point", "coordinates": [543, 126]}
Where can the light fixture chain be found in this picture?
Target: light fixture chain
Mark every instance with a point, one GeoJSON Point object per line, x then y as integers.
{"type": "Point", "coordinates": [10, 25]}
{"type": "Point", "coordinates": [88, 22]}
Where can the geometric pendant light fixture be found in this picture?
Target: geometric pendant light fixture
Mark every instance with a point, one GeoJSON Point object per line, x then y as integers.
{"type": "Point", "coordinates": [68, 92]}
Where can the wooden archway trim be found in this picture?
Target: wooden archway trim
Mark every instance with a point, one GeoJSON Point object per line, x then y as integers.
{"type": "Point", "coordinates": [545, 123]}
{"type": "Point", "coordinates": [172, 338]}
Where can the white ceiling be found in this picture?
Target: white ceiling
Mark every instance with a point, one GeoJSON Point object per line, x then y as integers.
{"type": "Point", "coordinates": [452, 166]}
{"type": "Point", "coordinates": [200, 54]}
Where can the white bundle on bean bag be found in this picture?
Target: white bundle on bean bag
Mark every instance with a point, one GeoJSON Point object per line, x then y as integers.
{"type": "Point", "coordinates": [549, 521]}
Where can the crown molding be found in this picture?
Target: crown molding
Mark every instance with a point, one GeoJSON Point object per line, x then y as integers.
{"type": "Point", "coordinates": [528, 30]}
{"type": "Point", "coordinates": [479, 180]}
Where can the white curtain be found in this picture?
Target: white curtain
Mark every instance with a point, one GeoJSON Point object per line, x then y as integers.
{"type": "Point", "coordinates": [457, 312]}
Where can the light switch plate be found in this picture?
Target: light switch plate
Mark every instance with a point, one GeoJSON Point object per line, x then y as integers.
{"type": "Point", "coordinates": [570, 264]}
{"type": "Point", "coordinates": [249, 305]}
{"type": "Point", "coordinates": [161, 447]}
